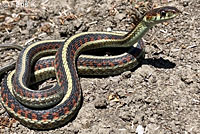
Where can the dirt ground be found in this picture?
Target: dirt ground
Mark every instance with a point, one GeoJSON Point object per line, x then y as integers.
{"type": "Point", "coordinates": [161, 96]}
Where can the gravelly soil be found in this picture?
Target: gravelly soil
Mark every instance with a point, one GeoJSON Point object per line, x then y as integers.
{"type": "Point", "coordinates": [162, 95]}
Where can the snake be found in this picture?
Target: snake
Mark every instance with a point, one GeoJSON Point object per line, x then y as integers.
{"type": "Point", "coordinates": [14, 89]}
{"type": "Point", "coordinates": [87, 65]}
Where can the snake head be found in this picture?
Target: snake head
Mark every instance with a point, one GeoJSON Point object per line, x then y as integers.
{"type": "Point", "coordinates": [159, 15]}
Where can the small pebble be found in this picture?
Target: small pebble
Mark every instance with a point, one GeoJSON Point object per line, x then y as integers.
{"type": "Point", "coordinates": [126, 75]}
{"type": "Point", "coordinates": [120, 16]}
{"type": "Point", "coordinates": [125, 116]}
{"type": "Point", "coordinates": [140, 129]}
{"type": "Point", "coordinates": [185, 3]}
{"type": "Point", "coordinates": [100, 104]}
{"type": "Point", "coordinates": [121, 94]}
{"type": "Point", "coordinates": [109, 29]}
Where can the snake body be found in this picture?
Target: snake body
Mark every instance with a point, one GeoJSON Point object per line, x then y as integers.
{"type": "Point", "coordinates": [15, 92]}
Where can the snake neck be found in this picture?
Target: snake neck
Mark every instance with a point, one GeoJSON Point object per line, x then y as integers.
{"type": "Point", "coordinates": [126, 40]}
{"type": "Point", "coordinates": [136, 34]}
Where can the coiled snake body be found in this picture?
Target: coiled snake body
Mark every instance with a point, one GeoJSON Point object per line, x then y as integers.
{"type": "Point", "coordinates": [54, 107]}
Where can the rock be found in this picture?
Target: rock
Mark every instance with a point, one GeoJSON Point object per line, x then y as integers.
{"type": "Point", "coordinates": [185, 3]}
{"type": "Point", "coordinates": [121, 93]}
{"type": "Point", "coordinates": [140, 129]}
{"type": "Point", "coordinates": [78, 23]}
{"type": "Point", "coordinates": [120, 16]}
{"type": "Point", "coordinates": [153, 129]}
{"type": "Point", "coordinates": [101, 104]}
{"type": "Point", "coordinates": [125, 116]}
{"type": "Point", "coordinates": [126, 75]}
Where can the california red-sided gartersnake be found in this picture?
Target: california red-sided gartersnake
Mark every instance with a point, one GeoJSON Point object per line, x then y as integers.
{"type": "Point", "coordinates": [61, 103]}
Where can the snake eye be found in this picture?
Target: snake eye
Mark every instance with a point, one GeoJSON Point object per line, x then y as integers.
{"type": "Point", "coordinates": [163, 14]}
